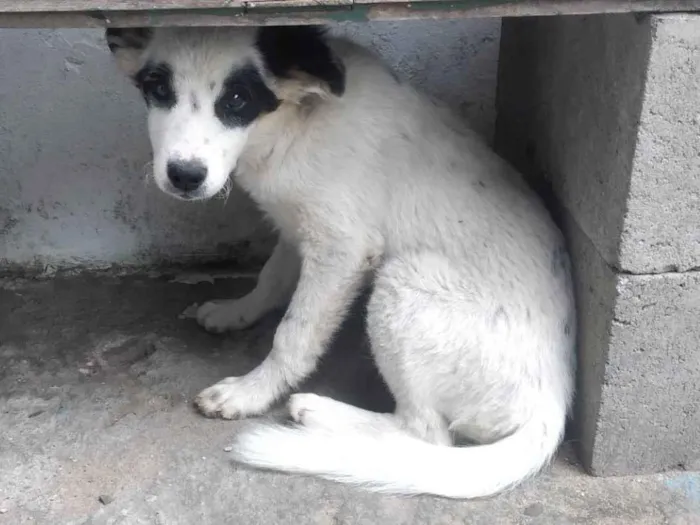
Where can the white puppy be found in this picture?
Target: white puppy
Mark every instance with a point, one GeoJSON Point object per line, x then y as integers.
{"type": "Point", "coordinates": [471, 317]}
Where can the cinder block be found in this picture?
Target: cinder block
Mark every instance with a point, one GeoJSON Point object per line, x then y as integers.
{"type": "Point", "coordinates": [608, 109]}
{"type": "Point", "coordinates": [605, 112]}
{"type": "Point", "coordinates": [638, 399]}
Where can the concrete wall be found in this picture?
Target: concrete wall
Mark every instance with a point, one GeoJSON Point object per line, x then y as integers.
{"type": "Point", "coordinates": [74, 151]}
{"type": "Point", "coordinates": [605, 111]}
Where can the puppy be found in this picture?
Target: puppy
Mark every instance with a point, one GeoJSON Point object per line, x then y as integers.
{"type": "Point", "coordinates": [471, 317]}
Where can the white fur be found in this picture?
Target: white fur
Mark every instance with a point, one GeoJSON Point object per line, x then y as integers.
{"type": "Point", "coordinates": [471, 318]}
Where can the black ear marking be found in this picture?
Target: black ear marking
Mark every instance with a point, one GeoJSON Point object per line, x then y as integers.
{"type": "Point", "coordinates": [136, 38]}
{"type": "Point", "coordinates": [303, 48]}
{"type": "Point", "coordinates": [128, 46]}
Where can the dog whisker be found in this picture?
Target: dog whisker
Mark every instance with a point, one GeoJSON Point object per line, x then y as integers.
{"type": "Point", "coordinates": [225, 191]}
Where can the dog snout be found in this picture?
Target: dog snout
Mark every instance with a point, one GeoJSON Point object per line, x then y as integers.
{"type": "Point", "coordinates": [186, 175]}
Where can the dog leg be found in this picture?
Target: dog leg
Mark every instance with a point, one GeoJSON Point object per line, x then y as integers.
{"type": "Point", "coordinates": [328, 284]}
{"type": "Point", "coordinates": [273, 289]}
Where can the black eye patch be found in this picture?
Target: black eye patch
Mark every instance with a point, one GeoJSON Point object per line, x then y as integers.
{"type": "Point", "coordinates": [244, 97]}
{"type": "Point", "coordinates": [156, 84]}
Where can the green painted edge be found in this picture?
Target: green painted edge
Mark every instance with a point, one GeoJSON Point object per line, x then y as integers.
{"type": "Point", "coordinates": [440, 5]}
{"type": "Point", "coordinates": [335, 13]}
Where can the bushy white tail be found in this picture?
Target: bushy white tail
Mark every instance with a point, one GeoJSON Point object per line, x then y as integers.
{"type": "Point", "coordinates": [401, 464]}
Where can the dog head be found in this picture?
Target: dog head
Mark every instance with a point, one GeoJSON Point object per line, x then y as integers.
{"type": "Point", "coordinates": [206, 89]}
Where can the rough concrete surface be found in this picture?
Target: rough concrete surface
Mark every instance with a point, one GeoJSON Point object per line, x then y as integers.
{"type": "Point", "coordinates": [662, 227]}
{"type": "Point", "coordinates": [97, 375]}
{"type": "Point", "coordinates": [638, 404]}
{"type": "Point", "coordinates": [595, 289]}
{"type": "Point", "coordinates": [74, 150]}
{"type": "Point", "coordinates": [606, 108]}
{"type": "Point", "coordinates": [603, 111]}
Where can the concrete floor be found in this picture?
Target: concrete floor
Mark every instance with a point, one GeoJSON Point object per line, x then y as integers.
{"type": "Point", "coordinates": [97, 374]}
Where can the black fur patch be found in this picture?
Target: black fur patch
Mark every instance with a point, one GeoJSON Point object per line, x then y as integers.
{"type": "Point", "coordinates": [156, 84]}
{"type": "Point", "coordinates": [133, 38]}
{"type": "Point", "coordinates": [244, 97]}
{"type": "Point", "coordinates": [303, 48]}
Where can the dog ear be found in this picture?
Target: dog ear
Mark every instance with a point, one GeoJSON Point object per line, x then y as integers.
{"type": "Point", "coordinates": [127, 46]}
{"type": "Point", "coordinates": [302, 54]}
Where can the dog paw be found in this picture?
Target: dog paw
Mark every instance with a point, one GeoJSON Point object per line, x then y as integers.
{"type": "Point", "coordinates": [300, 406]}
{"type": "Point", "coordinates": [317, 411]}
{"type": "Point", "coordinates": [221, 316]}
{"type": "Point", "coordinates": [328, 414]}
{"type": "Point", "coordinates": [231, 398]}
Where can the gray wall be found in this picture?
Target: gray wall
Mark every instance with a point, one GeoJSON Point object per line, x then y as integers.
{"type": "Point", "coordinates": [74, 150]}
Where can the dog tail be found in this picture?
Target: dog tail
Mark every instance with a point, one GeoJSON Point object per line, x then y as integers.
{"type": "Point", "coordinates": [398, 463]}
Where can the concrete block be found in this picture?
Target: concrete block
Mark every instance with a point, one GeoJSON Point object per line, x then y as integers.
{"type": "Point", "coordinates": [606, 107]}
{"type": "Point", "coordinates": [638, 404]}
{"type": "Point", "coordinates": [604, 112]}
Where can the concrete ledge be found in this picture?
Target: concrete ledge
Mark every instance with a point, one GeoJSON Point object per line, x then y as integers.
{"type": "Point", "coordinates": [123, 13]}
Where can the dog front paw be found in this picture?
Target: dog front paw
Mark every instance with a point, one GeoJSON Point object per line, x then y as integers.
{"type": "Point", "coordinates": [232, 398]}
{"type": "Point", "coordinates": [222, 316]}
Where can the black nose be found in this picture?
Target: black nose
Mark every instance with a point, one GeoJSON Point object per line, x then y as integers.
{"type": "Point", "coordinates": [186, 175]}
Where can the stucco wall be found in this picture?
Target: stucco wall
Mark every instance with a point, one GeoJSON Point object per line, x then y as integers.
{"type": "Point", "coordinates": [73, 146]}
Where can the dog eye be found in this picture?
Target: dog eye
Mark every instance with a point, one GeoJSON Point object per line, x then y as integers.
{"type": "Point", "coordinates": [236, 99]}
{"type": "Point", "coordinates": [158, 88]}
{"type": "Point", "coordinates": [161, 90]}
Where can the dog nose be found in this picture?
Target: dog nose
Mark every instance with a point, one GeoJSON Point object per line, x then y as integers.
{"type": "Point", "coordinates": [187, 176]}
